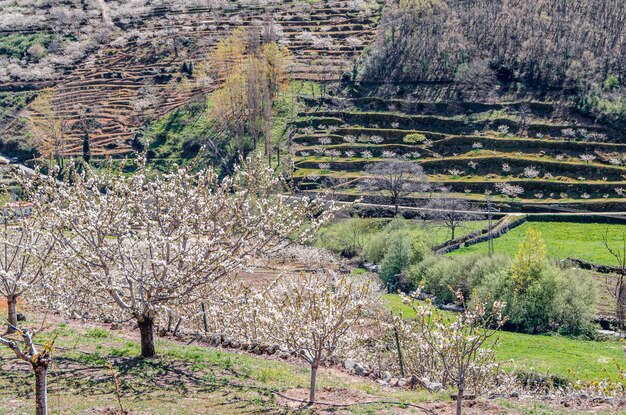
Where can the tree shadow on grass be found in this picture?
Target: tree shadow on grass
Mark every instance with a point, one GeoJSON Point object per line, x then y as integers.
{"type": "Point", "coordinates": [140, 379]}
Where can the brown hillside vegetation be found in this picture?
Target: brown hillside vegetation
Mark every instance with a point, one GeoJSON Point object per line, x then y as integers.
{"type": "Point", "coordinates": [155, 61]}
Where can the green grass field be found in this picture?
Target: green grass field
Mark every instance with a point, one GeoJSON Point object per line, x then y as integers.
{"type": "Point", "coordinates": [183, 379]}
{"type": "Point", "coordinates": [438, 234]}
{"type": "Point", "coordinates": [564, 357]}
{"type": "Point", "coordinates": [189, 379]}
{"type": "Point", "coordinates": [563, 239]}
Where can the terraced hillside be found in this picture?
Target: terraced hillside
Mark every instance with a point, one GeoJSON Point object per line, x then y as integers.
{"type": "Point", "coordinates": [471, 149]}
{"type": "Point", "coordinates": [146, 67]}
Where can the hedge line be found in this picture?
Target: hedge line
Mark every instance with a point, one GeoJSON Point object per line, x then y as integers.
{"type": "Point", "coordinates": [489, 165]}
{"type": "Point", "coordinates": [493, 165]}
{"type": "Point", "coordinates": [539, 109]}
{"type": "Point", "coordinates": [545, 187]}
{"type": "Point", "coordinates": [442, 124]}
{"type": "Point", "coordinates": [464, 144]}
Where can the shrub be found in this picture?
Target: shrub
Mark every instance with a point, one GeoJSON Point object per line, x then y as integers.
{"type": "Point", "coordinates": [555, 300]}
{"type": "Point", "coordinates": [414, 138]}
{"type": "Point", "coordinates": [443, 276]}
{"type": "Point", "coordinates": [375, 248]}
{"type": "Point", "coordinates": [611, 82]}
{"type": "Point", "coordinates": [440, 276]}
{"type": "Point", "coordinates": [348, 238]}
{"type": "Point", "coordinates": [574, 312]}
{"type": "Point", "coordinates": [396, 259]}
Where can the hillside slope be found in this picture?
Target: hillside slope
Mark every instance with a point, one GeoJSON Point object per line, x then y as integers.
{"type": "Point", "coordinates": [141, 66]}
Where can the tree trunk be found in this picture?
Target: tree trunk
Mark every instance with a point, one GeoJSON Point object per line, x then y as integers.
{"type": "Point", "coordinates": [12, 318]}
{"type": "Point", "coordinates": [621, 304]}
{"type": "Point", "coordinates": [146, 329]}
{"type": "Point", "coordinates": [313, 382]}
{"type": "Point", "coordinates": [459, 397]}
{"type": "Point", "coordinates": [41, 389]}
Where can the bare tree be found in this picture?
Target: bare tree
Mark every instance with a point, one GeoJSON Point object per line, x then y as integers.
{"type": "Point", "coordinates": [434, 40]}
{"type": "Point", "coordinates": [50, 129]}
{"type": "Point", "coordinates": [525, 115]}
{"type": "Point", "coordinates": [476, 79]}
{"type": "Point", "coordinates": [87, 123]}
{"type": "Point", "coordinates": [395, 180]}
{"type": "Point", "coordinates": [617, 285]}
{"type": "Point", "coordinates": [253, 75]}
{"type": "Point", "coordinates": [450, 212]}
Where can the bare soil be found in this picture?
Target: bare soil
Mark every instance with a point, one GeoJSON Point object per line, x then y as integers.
{"type": "Point", "coordinates": [330, 400]}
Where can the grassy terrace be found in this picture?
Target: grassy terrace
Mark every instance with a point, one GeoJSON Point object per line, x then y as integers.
{"type": "Point", "coordinates": [563, 239]}
{"type": "Point", "coordinates": [184, 379]}
{"type": "Point", "coordinates": [113, 76]}
{"type": "Point", "coordinates": [553, 159]}
{"type": "Point", "coordinates": [561, 356]}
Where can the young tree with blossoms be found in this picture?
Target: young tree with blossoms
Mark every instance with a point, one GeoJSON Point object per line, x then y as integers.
{"type": "Point", "coordinates": [25, 256]}
{"type": "Point", "coordinates": [457, 350]}
{"type": "Point", "coordinates": [39, 359]}
{"type": "Point", "coordinates": [315, 314]}
{"type": "Point", "coordinates": [138, 245]}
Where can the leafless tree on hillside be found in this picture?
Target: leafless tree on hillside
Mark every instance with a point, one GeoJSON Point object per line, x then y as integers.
{"type": "Point", "coordinates": [395, 180]}
{"type": "Point", "coordinates": [616, 284]}
{"type": "Point", "coordinates": [451, 212]}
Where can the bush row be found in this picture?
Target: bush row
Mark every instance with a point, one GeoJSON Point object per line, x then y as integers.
{"type": "Point", "coordinates": [464, 144]}
{"type": "Point", "coordinates": [491, 166]}
{"type": "Point", "coordinates": [540, 296]}
{"type": "Point", "coordinates": [443, 125]}
{"type": "Point", "coordinates": [539, 109]}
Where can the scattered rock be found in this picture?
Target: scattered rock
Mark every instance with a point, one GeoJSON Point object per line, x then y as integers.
{"type": "Point", "coordinates": [451, 307]}
{"type": "Point", "coordinates": [403, 382]}
{"type": "Point", "coordinates": [371, 267]}
{"type": "Point", "coordinates": [356, 262]}
{"type": "Point", "coordinates": [359, 369]}
{"type": "Point", "coordinates": [116, 326]}
{"type": "Point", "coordinates": [215, 340]}
{"type": "Point", "coordinates": [425, 383]}
{"type": "Point", "coordinates": [386, 376]}
{"type": "Point", "coordinates": [465, 397]}
{"type": "Point", "coordinates": [349, 364]}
